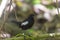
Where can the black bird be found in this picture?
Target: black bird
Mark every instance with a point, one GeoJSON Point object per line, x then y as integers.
{"type": "Point", "coordinates": [26, 24]}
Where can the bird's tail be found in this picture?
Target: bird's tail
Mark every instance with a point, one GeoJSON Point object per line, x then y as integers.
{"type": "Point", "coordinates": [16, 22]}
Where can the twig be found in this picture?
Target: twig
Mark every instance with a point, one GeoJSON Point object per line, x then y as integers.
{"type": "Point", "coordinates": [15, 14]}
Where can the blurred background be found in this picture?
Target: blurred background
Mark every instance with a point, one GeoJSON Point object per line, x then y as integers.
{"type": "Point", "coordinates": [16, 22]}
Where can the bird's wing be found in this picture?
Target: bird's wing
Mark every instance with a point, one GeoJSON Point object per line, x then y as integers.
{"type": "Point", "coordinates": [24, 23]}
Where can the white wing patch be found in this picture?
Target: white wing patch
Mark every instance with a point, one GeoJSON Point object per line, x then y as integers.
{"type": "Point", "coordinates": [25, 23]}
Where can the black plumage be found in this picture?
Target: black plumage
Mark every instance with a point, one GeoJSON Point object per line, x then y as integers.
{"type": "Point", "coordinates": [26, 24]}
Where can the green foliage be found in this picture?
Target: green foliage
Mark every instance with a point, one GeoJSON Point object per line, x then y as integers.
{"type": "Point", "coordinates": [37, 37]}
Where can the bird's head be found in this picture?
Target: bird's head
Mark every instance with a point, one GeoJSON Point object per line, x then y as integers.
{"type": "Point", "coordinates": [32, 15]}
